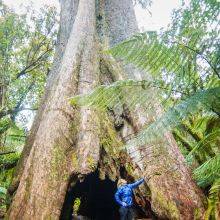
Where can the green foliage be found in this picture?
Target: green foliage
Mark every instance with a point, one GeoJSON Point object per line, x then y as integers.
{"type": "Point", "coordinates": [4, 125]}
{"type": "Point", "coordinates": [26, 49]}
{"type": "Point", "coordinates": [107, 97]}
{"type": "Point", "coordinates": [7, 162]}
{"type": "Point", "coordinates": [3, 192]}
{"type": "Point", "coordinates": [76, 205]}
{"type": "Point", "coordinates": [206, 149]}
{"type": "Point", "coordinates": [200, 146]}
{"type": "Point", "coordinates": [174, 116]}
{"type": "Point", "coordinates": [185, 58]}
{"type": "Point", "coordinates": [208, 172]}
{"type": "Point", "coordinates": [213, 201]}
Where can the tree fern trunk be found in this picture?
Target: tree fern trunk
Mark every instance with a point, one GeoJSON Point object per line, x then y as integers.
{"type": "Point", "coordinates": [69, 143]}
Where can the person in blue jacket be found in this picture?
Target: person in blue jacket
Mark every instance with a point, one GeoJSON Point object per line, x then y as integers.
{"type": "Point", "coordinates": [124, 197]}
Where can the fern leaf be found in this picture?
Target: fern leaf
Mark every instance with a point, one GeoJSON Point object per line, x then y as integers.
{"type": "Point", "coordinates": [208, 172]}
{"type": "Point", "coordinates": [104, 97]}
{"type": "Point", "coordinates": [201, 100]}
{"type": "Point", "coordinates": [207, 140]}
{"type": "Point", "coordinates": [213, 201]}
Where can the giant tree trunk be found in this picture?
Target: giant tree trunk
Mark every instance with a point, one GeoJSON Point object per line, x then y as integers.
{"type": "Point", "coordinates": [67, 144]}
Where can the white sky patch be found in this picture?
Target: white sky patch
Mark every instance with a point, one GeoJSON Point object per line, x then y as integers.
{"type": "Point", "coordinates": [37, 4]}
{"type": "Point", "coordinates": [160, 16]}
{"type": "Point", "coordinates": [25, 119]}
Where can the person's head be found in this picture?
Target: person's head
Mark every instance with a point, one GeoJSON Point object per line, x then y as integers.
{"type": "Point", "coordinates": [121, 182]}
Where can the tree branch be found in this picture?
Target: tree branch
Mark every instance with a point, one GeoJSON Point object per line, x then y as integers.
{"type": "Point", "coordinates": [24, 71]}
{"type": "Point", "coordinates": [13, 112]}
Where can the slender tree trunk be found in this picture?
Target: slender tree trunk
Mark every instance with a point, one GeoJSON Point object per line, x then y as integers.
{"type": "Point", "coordinates": [68, 142]}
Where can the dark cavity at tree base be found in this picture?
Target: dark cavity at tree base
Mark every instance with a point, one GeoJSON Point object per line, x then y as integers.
{"type": "Point", "coordinates": [96, 199]}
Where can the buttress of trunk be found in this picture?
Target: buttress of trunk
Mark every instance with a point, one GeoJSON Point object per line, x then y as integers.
{"type": "Point", "coordinates": [68, 143]}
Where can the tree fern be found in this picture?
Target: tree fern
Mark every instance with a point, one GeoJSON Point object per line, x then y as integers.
{"type": "Point", "coordinates": [213, 201]}
{"type": "Point", "coordinates": [206, 123]}
{"type": "Point", "coordinates": [149, 52]}
{"type": "Point", "coordinates": [208, 172]}
{"type": "Point", "coordinates": [188, 51]}
{"type": "Point", "coordinates": [205, 142]}
{"type": "Point", "coordinates": [4, 125]}
{"type": "Point", "coordinates": [107, 97]}
{"type": "Point", "coordinates": [173, 117]}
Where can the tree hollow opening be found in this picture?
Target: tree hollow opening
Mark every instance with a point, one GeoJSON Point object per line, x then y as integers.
{"type": "Point", "coordinates": [95, 198]}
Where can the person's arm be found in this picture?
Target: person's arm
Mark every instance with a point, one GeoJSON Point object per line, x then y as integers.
{"type": "Point", "coordinates": [118, 198]}
{"type": "Point", "coordinates": [136, 184]}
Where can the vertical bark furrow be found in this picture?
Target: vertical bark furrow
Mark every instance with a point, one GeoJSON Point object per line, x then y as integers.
{"type": "Point", "coordinates": [88, 136]}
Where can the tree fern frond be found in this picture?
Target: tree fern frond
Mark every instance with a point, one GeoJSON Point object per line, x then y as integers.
{"type": "Point", "coordinates": [201, 100]}
{"type": "Point", "coordinates": [4, 124]}
{"type": "Point", "coordinates": [207, 123]}
{"type": "Point", "coordinates": [104, 97]}
{"type": "Point", "coordinates": [148, 52]}
{"type": "Point", "coordinates": [213, 201]}
{"type": "Point", "coordinates": [208, 172]}
{"type": "Point", "coordinates": [207, 140]}
{"type": "Point", "coordinates": [170, 51]}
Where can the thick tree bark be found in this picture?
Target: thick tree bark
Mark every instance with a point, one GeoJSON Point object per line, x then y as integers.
{"type": "Point", "coordinates": [68, 142]}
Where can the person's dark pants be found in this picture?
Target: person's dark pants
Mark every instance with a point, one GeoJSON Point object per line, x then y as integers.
{"type": "Point", "coordinates": [126, 213]}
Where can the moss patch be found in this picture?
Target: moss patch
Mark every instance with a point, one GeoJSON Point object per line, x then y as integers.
{"type": "Point", "coordinates": [165, 204]}
{"type": "Point", "coordinates": [74, 161]}
{"type": "Point", "coordinates": [91, 162]}
{"type": "Point", "coordinates": [58, 164]}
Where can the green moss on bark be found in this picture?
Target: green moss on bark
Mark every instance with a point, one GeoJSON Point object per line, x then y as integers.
{"type": "Point", "coordinates": [166, 204]}
{"type": "Point", "coordinates": [58, 164]}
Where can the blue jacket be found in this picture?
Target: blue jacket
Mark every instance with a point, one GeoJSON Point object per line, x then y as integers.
{"type": "Point", "coordinates": [124, 193]}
